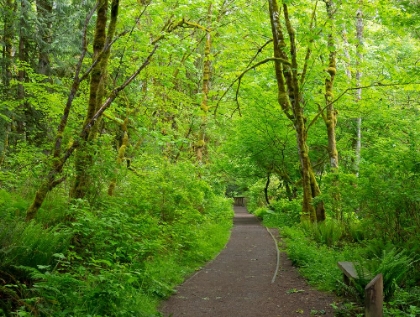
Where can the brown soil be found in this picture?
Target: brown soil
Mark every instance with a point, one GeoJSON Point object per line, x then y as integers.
{"type": "Point", "coordinates": [238, 283]}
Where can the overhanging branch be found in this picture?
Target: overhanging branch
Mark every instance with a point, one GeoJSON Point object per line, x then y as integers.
{"type": "Point", "coordinates": [239, 78]}
{"type": "Point", "coordinates": [375, 84]}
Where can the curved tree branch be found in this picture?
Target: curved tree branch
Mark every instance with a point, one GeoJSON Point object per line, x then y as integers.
{"type": "Point", "coordinates": [239, 78]}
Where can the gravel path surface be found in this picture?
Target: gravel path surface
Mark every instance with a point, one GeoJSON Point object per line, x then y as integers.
{"type": "Point", "coordinates": [238, 283]}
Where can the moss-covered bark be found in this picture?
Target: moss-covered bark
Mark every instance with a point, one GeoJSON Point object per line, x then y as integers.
{"type": "Point", "coordinates": [59, 159]}
{"type": "Point", "coordinates": [290, 100]}
{"type": "Point", "coordinates": [101, 45]}
{"type": "Point", "coordinates": [122, 147]}
{"type": "Point", "coordinates": [8, 36]}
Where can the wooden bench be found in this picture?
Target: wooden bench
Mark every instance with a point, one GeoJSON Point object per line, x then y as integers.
{"type": "Point", "coordinates": [349, 272]}
{"type": "Point", "coordinates": [373, 290]}
{"type": "Point", "coordinates": [239, 201]}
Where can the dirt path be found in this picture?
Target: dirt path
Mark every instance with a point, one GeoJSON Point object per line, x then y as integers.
{"type": "Point", "coordinates": [238, 283]}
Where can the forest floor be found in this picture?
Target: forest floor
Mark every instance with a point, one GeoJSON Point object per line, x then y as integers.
{"type": "Point", "coordinates": [239, 281]}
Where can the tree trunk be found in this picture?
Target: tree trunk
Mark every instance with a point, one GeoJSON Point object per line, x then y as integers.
{"type": "Point", "coordinates": [290, 100]}
{"type": "Point", "coordinates": [44, 15]}
{"type": "Point", "coordinates": [331, 117]}
{"type": "Point", "coordinates": [9, 33]}
{"type": "Point", "coordinates": [59, 159]}
{"type": "Point", "coordinates": [84, 156]}
{"type": "Point", "coordinates": [359, 48]}
{"type": "Point", "coordinates": [267, 184]}
{"type": "Point", "coordinates": [201, 143]}
{"type": "Point", "coordinates": [122, 146]}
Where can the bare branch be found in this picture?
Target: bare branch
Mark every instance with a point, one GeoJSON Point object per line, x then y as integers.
{"type": "Point", "coordinates": [259, 51]}
{"type": "Point", "coordinates": [264, 61]}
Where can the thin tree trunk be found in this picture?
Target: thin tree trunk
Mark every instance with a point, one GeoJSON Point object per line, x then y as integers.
{"type": "Point", "coordinates": [23, 54]}
{"type": "Point", "coordinates": [120, 157]}
{"type": "Point", "coordinates": [331, 117]}
{"type": "Point", "coordinates": [201, 143]}
{"type": "Point", "coordinates": [359, 35]}
{"type": "Point", "coordinates": [8, 36]}
{"type": "Point", "coordinates": [267, 184]}
{"type": "Point", "coordinates": [44, 10]}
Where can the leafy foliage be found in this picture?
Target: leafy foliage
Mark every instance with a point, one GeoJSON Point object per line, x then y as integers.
{"type": "Point", "coordinates": [151, 210]}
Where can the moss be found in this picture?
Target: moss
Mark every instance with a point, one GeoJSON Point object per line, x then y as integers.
{"type": "Point", "coordinates": [204, 107]}
{"type": "Point", "coordinates": [36, 204]}
{"type": "Point", "coordinates": [332, 71]}
{"type": "Point", "coordinates": [200, 143]}
{"type": "Point", "coordinates": [111, 188]}
{"type": "Point", "coordinates": [121, 153]}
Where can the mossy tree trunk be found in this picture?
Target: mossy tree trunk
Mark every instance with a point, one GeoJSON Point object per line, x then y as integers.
{"type": "Point", "coordinates": [59, 159]}
{"type": "Point", "coordinates": [330, 113]}
{"type": "Point", "coordinates": [101, 43]}
{"type": "Point", "coordinates": [122, 147]}
{"type": "Point", "coordinates": [330, 118]}
{"type": "Point", "coordinates": [291, 102]}
{"type": "Point", "coordinates": [200, 147]}
{"type": "Point", "coordinates": [8, 36]}
{"type": "Point", "coordinates": [60, 156]}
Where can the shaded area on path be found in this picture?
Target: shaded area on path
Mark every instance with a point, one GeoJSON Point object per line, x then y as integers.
{"type": "Point", "coordinates": [238, 283]}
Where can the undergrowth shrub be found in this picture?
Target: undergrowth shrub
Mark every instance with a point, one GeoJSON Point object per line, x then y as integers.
{"type": "Point", "coordinates": [307, 248]}
{"type": "Point", "coordinates": [328, 232]}
{"type": "Point", "coordinates": [355, 231]}
{"type": "Point", "coordinates": [11, 206]}
{"type": "Point", "coordinates": [395, 265]}
{"type": "Point", "coordinates": [29, 244]}
{"type": "Point", "coordinates": [404, 303]}
{"type": "Point", "coordinates": [118, 256]}
{"type": "Point", "coordinates": [305, 253]}
{"type": "Point", "coordinates": [24, 247]}
{"type": "Point", "coordinates": [283, 213]}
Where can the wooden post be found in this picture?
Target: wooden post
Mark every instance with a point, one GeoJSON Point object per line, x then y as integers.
{"type": "Point", "coordinates": [374, 297]}
{"type": "Point", "coordinates": [239, 201]}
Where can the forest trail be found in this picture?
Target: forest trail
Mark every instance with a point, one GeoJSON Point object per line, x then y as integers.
{"type": "Point", "coordinates": [238, 283]}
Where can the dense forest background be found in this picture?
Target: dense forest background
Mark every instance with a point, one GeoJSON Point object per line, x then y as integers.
{"type": "Point", "coordinates": [126, 128]}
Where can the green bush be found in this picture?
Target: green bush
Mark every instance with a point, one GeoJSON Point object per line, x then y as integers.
{"type": "Point", "coordinates": [321, 271]}
{"type": "Point", "coordinates": [284, 213]}
{"type": "Point", "coordinates": [117, 256]}
{"type": "Point", "coordinates": [29, 244]}
{"type": "Point", "coordinates": [328, 232]}
{"type": "Point", "coordinates": [404, 303]}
